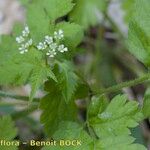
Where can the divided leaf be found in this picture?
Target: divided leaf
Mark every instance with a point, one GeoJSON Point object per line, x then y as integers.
{"type": "Point", "coordinates": [124, 142]}
{"type": "Point", "coordinates": [139, 31]}
{"type": "Point", "coordinates": [55, 108]}
{"type": "Point", "coordinates": [7, 132]}
{"type": "Point", "coordinates": [146, 104]}
{"type": "Point", "coordinates": [40, 73]}
{"type": "Point", "coordinates": [71, 131]}
{"type": "Point", "coordinates": [14, 67]}
{"type": "Point", "coordinates": [114, 119]}
{"type": "Point", "coordinates": [38, 21]}
{"type": "Point", "coordinates": [57, 8]}
{"type": "Point", "coordinates": [41, 16]}
{"type": "Point", "coordinates": [128, 6]}
{"type": "Point", "coordinates": [67, 80]}
{"type": "Point", "coordinates": [87, 12]}
{"type": "Point", "coordinates": [18, 69]}
{"type": "Point", "coordinates": [58, 104]}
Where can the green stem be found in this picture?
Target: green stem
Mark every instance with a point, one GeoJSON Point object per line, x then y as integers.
{"type": "Point", "coordinates": [17, 97]}
{"type": "Point", "coordinates": [117, 87]}
{"type": "Point", "coordinates": [21, 103]}
{"type": "Point", "coordinates": [10, 104]}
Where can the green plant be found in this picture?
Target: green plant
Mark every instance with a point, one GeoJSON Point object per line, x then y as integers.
{"type": "Point", "coordinates": [41, 53]}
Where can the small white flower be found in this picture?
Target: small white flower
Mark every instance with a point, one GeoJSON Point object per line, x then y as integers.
{"type": "Point", "coordinates": [42, 46]}
{"type": "Point", "coordinates": [26, 45]}
{"type": "Point", "coordinates": [26, 31]}
{"type": "Point", "coordinates": [60, 31]}
{"type": "Point", "coordinates": [48, 39]}
{"type": "Point", "coordinates": [29, 43]}
{"type": "Point", "coordinates": [51, 53]}
{"type": "Point", "coordinates": [22, 52]}
{"type": "Point", "coordinates": [59, 35]}
{"type": "Point", "coordinates": [62, 48]}
{"type": "Point", "coordinates": [65, 49]}
{"type": "Point", "coordinates": [53, 46]}
{"type": "Point", "coordinates": [24, 40]}
{"type": "Point", "coordinates": [23, 49]}
{"type": "Point", "coordinates": [19, 39]}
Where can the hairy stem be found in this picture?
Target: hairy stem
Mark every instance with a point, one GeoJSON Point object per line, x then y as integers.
{"type": "Point", "coordinates": [114, 88]}
{"type": "Point", "coordinates": [17, 97]}
{"type": "Point", "coordinates": [118, 87]}
{"type": "Point", "coordinates": [14, 103]}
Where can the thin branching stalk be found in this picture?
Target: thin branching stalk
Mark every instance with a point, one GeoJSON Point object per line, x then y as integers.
{"type": "Point", "coordinates": [17, 97]}
{"type": "Point", "coordinates": [118, 87]}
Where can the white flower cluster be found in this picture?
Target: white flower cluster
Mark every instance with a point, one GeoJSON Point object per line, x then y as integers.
{"type": "Point", "coordinates": [24, 40]}
{"type": "Point", "coordinates": [51, 44]}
